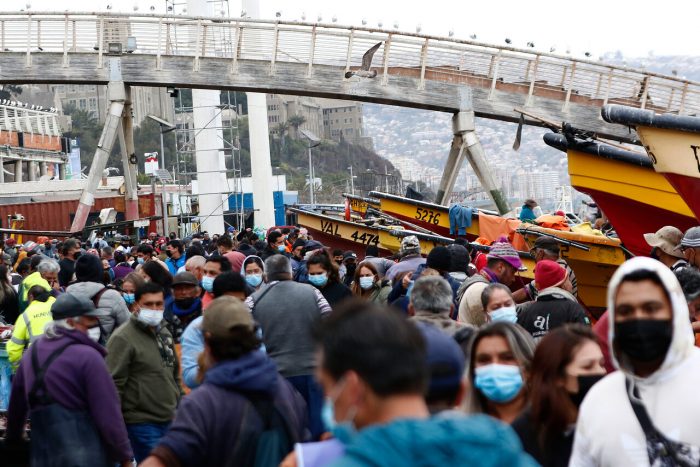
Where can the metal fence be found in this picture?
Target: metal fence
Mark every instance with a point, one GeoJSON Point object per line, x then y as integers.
{"type": "Point", "coordinates": [420, 56]}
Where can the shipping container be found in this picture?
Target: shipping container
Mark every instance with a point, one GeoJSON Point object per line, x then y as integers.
{"type": "Point", "coordinates": [58, 215]}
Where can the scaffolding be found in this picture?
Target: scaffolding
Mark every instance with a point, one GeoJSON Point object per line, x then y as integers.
{"type": "Point", "coordinates": [185, 170]}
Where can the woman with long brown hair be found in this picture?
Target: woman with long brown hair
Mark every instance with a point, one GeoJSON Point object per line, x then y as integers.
{"type": "Point", "coordinates": [567, 363]}
{"type": "Point", "coordinates": [499, 371]}
{"type": "Point", "coordinates": [368, 285]}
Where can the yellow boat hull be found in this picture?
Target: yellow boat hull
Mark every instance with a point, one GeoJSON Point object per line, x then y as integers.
{"type": "Point", "coordinates": [593, 268]}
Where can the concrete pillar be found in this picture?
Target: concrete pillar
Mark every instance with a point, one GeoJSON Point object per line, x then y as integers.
{"type": "Point", "coordinates": [31, 171]}
{"type": "Point", "coordinates": [18, 171]}
{"type": "Point", "coordinates": [466, 144]}
{"type": "Point", "coordinates": [211, 165]}
{"type": "Point", "coordinates": [2, 170]}
{"type": "Point", "coordinates": [61, 171]}
{"type": "Point", "coordinates": [260, 164]}
{"type": "Point", "coordinates": [43, 168]}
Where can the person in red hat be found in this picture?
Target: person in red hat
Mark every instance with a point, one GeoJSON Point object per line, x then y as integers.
{"type": "Point", "coordinates": [554, 306]}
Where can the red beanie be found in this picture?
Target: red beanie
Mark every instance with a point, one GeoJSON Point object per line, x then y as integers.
{"type": "Point", "coordinates": [549, 274]}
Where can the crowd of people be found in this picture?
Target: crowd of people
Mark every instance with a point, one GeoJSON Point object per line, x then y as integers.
{"type": "Point", "coordinates": [273, 349]}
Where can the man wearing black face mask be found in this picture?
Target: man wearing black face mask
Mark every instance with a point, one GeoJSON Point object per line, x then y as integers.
{"type": "Point", "coordinates": [71, 252]}
{"type": "Point", "coordinates": [654, 395]}
{"type": "Point", "coordinates": [185, 305]}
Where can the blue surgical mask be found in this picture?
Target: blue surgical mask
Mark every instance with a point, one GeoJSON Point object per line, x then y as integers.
{"type": "Point", "coordinates": [506, 313]}
{"type": "Point", "coordinates": [253, 280]}
{"type": "Point", "coordinates": [366, 283]}
{"type": "Point", "coordinates": [328, 414]}
{"type": "Point", "coordinates": [328, 409]}
{"type": "Point", "coordinates": [499, 383]}
{"type": "Point", "coordinates": [281, 248]}
{"type": "Point", "coordinates": [319, 280]}
{"type": "Point", "coordinates": [140, 260]}
{"type": "Point", "coordinates": [208, 283]}
{"type": "Point", "coordinates": [129, 298]}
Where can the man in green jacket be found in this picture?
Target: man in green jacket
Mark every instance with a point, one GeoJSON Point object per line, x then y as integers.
{"type": "Point", "coordinates": [141, 358]}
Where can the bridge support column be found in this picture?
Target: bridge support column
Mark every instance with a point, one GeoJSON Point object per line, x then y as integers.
{"type": "Point", "coordinates": [31, 171]}
{"type": "Point", "coordinates": [61, 171]}
{"type": "Point", "coordinates": [2, 170]}
{"type": "Point", "coordinates": [43, 168]}
{"type": "Point", "coordinates": [466, 144]}
{"type": "Point", "coordinates": [116, 95]}
{"type": "Point", "coordinates": [126, 143]}
{"type": "Point", "coordinates": [260, 163]}
{"type": "Point", "coordinates": [18, 171]}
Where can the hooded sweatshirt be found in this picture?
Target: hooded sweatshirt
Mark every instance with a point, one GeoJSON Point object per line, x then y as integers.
{"type": "Point", "coordinates": [111, 302]}
{"type": "Point", "coordinates": [217, 424]}
{"type": "Point", "coordinates": [475, 440]}
{"type": "Point", "coordinates": [608, 432]}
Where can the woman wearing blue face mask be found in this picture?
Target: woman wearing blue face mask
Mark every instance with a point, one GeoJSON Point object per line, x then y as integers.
{"type": "Point", "coordinates": [131, 282]}
{"type": "Point", "coordinates": [323, 274]}
{"type": "Point", "coordinates": [368, 285]}
{"type": "Point", "coordinates": [499, 368]}
{"type": "Point", "coordinates": [253, 271]}
{"type": "Point", "coordinates": [499, 304]}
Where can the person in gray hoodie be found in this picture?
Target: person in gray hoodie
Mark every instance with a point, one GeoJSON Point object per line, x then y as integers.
{"type": "Point", "coordinates": [88, 273]}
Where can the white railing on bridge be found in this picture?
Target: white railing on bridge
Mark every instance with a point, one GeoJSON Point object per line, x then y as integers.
{"type": "Point", "coordinates": [424, 57]}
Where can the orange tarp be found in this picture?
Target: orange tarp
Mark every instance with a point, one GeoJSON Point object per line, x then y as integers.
{"type": "Point", "coordinates": [493, 227]}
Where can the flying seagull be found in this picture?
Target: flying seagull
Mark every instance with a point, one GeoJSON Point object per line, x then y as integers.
{"type": "Point", "coordinates": [364, 71]}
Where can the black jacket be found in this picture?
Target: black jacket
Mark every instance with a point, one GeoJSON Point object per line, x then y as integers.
{"type": "Point", "coordinates": [554, 307]}
{"type": "Point", "coordinates": [335, 292]}
{"type": "Point", "coordinates": [556, 452]}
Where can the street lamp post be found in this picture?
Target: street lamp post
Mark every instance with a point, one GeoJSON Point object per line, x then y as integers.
{"type": "Point", "coordinates": [352, 181]}
{"type": "Point", "coordinates": [313, 142]}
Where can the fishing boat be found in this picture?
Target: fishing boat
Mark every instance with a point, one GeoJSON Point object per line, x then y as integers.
{"type": "Point", "coordinates": [335, 232]}
{"type": "Point", "coordinates": [429, 216]}
{"type": "Point", "coordinates": [635, 199]}
{"type": "Point", "coordinates": [672, 143]}
{"type": "Point", "coordinates": [359, 205]}
{"type": "Point", "coordinates": [594, 259]}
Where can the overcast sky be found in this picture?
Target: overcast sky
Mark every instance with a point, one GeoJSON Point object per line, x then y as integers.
{"type": "Point", "coordinates": [636, 28]}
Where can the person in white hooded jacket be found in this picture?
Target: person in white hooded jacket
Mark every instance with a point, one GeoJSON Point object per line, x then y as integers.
{"type": "Point", "coordinates": [651, 343]}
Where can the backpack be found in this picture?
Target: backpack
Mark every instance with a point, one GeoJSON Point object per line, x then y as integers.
{"type": "Point", "coordinates": [276, 440]}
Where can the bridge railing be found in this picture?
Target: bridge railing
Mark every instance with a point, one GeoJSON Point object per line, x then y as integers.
{"type": "Point", "coordinates": [401, 54]}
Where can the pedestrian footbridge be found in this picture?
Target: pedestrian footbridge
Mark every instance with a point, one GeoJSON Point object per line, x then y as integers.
{"type": "Point", "coordinates": [466, 78]}
{"type": "Point", "coordinates": [413, 70]}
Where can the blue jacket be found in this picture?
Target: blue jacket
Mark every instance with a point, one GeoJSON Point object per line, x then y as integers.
{"type": "Point", "coordinates": [174, 265]}
{"type": "Point", "coordinates": [474, 440]}
{"type": "Point", "coordinates": [527, 214]}
{"type": "Point", "coordinates": [460, 219]}
{"type": "Point", "coordinates": [216, 424]}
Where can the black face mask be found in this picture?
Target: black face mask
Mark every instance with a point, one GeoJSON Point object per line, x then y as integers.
{"type": "Point", "coordinates": [185, 303]}
{"type": "Point", "coordinates": [644, 340]}
{"type": "Point", "coordinates": [76, 255]}
{"type": "Point", "coordinates": [585, 383]}
{"type": "Point", "coordinates": [654, 254]}
{"type": "Point", "coordinates": [169, 253]}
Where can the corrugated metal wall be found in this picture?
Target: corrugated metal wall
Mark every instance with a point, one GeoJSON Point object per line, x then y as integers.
{"type": "Point", "coordinates": [58, 215]}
